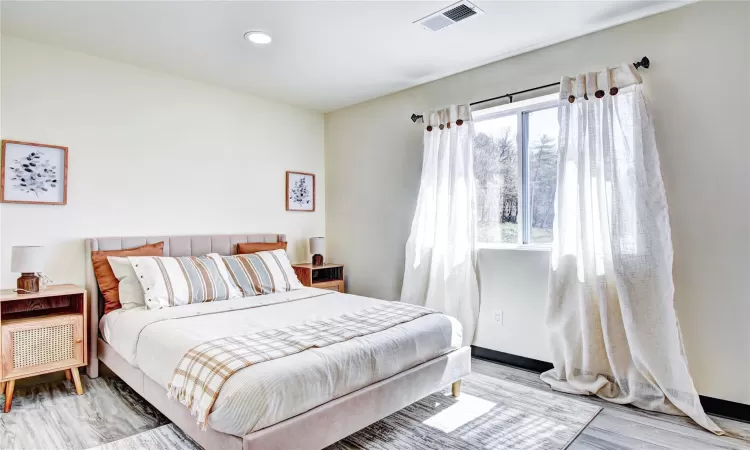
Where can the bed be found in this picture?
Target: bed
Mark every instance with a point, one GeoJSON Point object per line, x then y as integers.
{"type": "Point", "coordinates": [308, 400]}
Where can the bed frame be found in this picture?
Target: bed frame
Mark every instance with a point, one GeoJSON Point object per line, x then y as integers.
{"type": "Point", "coordinates": [312, 430]}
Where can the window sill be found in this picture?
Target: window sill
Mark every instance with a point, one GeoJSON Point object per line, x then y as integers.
{"type": "Point", "coordinates": [517, 247]}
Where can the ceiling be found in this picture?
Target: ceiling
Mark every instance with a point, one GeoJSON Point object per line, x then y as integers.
{"type": "Point", "coordinates": [325, 55]}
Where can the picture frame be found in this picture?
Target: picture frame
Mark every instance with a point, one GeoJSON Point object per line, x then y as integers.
{"type": "Point", "coordinates": [32, 173]}
{"type": "Point", "coordinates": [300, 191]}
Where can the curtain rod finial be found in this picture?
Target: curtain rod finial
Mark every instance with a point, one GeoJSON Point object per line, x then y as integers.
{"type": "Point", "coordinates": [415, 117]}
{"type": "Point", "coordinates": [644, 62]}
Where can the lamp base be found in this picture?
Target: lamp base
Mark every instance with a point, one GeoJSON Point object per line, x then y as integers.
{"type": "Point", "coordinates": [28, 283]}
{"type": "Point", "coordinates": [317, 260]}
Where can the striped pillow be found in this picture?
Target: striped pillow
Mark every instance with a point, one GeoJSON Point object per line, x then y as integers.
{"type": "Point", "coordinates": [262, 273]}
{"type": "Point", "coordinates": [175, 281]}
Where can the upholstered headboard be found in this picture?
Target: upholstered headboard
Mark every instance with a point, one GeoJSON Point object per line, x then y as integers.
{"type": "Point", "coordinates": [223, 244]}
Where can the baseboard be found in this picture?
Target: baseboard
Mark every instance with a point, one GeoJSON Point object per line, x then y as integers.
{"type": "Point", "coordinates": [714, 406]}
{"type": "Point", "coordinates": [726, 408]}
{"type": "Point", "coordinates": [508, 359]}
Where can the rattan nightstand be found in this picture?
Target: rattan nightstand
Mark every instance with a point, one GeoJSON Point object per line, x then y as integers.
{"type": "Point", "coordinates": [42, 333]}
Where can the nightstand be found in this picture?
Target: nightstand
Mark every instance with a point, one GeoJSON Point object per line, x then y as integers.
{"type": "Point", "coordinates": [327, 276]}
{"type": "Point", "coordinates": [41, 333]}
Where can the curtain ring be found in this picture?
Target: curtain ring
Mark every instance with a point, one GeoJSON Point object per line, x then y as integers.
{"type": "Point", "coordinates": [571, 98]}
{"type": "Point", "coordinates": [429, 127]}
{"type": "Point", "coordinates": [599, 93]}
{"type": "Point", "coordinates": [441, 126]}
{"type": "Point", "coordinates": [459, 122]}
{"type": "Point", "coordinates": [613, 90]}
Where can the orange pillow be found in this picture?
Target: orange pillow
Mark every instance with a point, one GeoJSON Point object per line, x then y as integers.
{"type": "Point", "coordinates": [108, 283]}
{"type": "Point", "coordinates": [255, 247]}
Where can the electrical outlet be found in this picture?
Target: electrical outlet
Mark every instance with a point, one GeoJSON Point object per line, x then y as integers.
{"type": "Point", "coordinates": [499, 316]}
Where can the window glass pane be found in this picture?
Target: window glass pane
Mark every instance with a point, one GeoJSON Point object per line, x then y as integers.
{"type": "Point", "coordinates": [496, 171]}
{"type": "Point", "coordinates": [542, 142]}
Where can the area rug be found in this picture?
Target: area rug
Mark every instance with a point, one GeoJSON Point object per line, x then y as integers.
{"type": "Point", "coordinates": [489, 414]}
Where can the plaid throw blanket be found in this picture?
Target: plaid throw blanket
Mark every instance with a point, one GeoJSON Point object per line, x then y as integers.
{"type": "Point", "coordinates": [204, 369]}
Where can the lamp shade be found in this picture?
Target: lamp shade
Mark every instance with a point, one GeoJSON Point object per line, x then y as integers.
{"type": "Point", "coordinates": [317, 245]}
{"type": "Point", "coordinates": [27, 259]}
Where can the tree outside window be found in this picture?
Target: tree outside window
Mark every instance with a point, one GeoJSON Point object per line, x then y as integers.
{"type": "Point", "coordinates": [516, 190]}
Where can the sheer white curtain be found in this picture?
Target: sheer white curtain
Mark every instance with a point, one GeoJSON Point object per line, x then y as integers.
{"type": "Point", "coordinates": [440, 270]}
{"type": "Point", "coordinates": [611, 309]}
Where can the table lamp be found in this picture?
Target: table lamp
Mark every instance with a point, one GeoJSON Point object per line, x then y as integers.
{"type": "Point", "coordinates": [28, 260]}
{"type": "Point", "coordinates": [317, 244]}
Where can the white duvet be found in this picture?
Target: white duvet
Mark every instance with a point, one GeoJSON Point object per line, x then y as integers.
{"type": "Point", "coordinates": [267, 393]}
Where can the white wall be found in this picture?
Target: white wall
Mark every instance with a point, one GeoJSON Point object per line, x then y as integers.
{"type": "Point", "coordinates": [700, 100]}
{"type": "Point", "coordinates": [150, 154]}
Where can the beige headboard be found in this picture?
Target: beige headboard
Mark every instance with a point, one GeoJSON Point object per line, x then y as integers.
{"type": "Point", "coordinates": [223, 244]}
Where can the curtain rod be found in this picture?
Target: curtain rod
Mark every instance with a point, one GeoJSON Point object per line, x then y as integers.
{"type": "Point", "coordinates": [644, 62]}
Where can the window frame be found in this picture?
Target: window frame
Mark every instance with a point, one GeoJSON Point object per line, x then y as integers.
{"type": "Point", "coordinates": [521, 110]}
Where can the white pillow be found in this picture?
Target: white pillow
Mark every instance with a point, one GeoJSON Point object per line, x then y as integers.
{"type": "Point", "coordinates": [131, 292]}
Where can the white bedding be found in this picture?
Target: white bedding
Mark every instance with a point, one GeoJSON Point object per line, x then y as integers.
{"type": "Point", "coordinates": [267, 393]}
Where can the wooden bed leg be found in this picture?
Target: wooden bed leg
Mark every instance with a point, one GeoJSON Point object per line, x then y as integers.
{"type": "Point", "coordinates": [456, 388]}
{"type": "Point", "coordinates": [77, 380]}
{"type": "Point", "coordinates": [2, 387]}
{"type": "Point", "coordinates": [68, 376]}
{"type": "Point", "coordinates": [9, 386]}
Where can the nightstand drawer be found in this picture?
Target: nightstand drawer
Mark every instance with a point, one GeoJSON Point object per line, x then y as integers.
{"type": "Point", "coordinates": [41, 344]}
{"type": "Point", "coordinates": [334, 285]}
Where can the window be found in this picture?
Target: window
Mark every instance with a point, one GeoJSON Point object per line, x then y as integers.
{"type": "Point", "coordinates": [516, 189]}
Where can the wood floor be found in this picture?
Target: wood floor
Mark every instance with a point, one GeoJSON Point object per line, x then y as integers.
{"type": "Point", "coordinates": [620, 427]}
{"type": "Point", "coordinates": [616, 427]}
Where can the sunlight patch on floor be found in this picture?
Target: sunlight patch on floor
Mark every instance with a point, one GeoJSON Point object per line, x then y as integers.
{"type": "Point", "coordinates": [466, 409]}
{"type": "Point", "coordinates": [521, 431]}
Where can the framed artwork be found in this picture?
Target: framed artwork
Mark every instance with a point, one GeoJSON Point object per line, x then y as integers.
{"type": "Point", "coordinates": [300, 191]}
{"type": "Point", "coordinates": [34, 173]}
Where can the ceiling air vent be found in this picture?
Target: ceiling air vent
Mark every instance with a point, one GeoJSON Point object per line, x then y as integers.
{"type": "Point", "coordinates": [450, 15]}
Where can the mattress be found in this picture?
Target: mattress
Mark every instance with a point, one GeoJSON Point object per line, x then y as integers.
{"type": "Point", "coordinates": [270, 392]}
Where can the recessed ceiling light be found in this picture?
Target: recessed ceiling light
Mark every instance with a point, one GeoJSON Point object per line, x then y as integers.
{"type": "Point", "coordinates": [258, 37]}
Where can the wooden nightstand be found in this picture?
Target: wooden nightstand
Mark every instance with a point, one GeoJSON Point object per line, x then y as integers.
{"type": "Point", "coordinates": [42, 333]}
{"type": "Point", "coordinates": [327, 276]}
